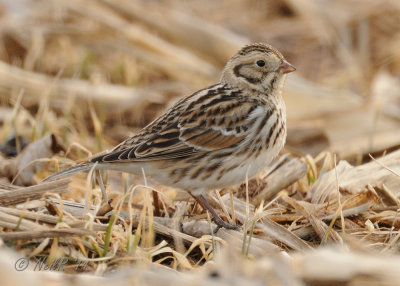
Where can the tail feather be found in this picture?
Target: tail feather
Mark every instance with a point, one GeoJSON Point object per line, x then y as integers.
{"type": "Point", "coordinates": [69, 171]}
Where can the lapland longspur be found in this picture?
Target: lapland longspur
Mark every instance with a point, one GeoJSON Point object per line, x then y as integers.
{"type": "Point", "coordinates": [214, 137]}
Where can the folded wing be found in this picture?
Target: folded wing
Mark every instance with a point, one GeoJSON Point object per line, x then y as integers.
{"type": "Point", "coordinates": [217, 125]}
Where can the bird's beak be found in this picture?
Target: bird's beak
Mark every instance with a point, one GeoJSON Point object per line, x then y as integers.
{"type": "Point", "coordinates": [285, 67]}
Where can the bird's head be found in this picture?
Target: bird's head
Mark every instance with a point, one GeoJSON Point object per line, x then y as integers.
{"type": "Point", "coordinates": [257, 66]}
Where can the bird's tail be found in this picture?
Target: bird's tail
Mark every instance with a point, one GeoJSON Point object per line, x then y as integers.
{"type": "Point", "coordinates": [70, 171]}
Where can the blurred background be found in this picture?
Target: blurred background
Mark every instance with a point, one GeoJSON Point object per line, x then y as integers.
{"type": "Point", "coordinates": [94, 72]}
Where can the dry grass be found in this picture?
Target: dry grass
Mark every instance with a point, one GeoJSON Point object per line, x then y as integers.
{"type": "Point", "coordinates": [91, 73]}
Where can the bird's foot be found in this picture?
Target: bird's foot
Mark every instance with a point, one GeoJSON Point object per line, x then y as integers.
{"type": "Point", "coordinates": [222, 224]}
{"type": "Point", "coordinates": [215, 217]}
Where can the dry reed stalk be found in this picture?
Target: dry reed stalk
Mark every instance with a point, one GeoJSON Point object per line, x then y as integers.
{"type": "Point", "coordinates": [192, 32]}
{"type": "Point", "coordinates": [270, 228]}
{"type": "Point", "coordinates": [287, 174]}
{"type": "Point", "coordinates": [102, 14]}
{"type": "Point", "coordinates": [35, 216]}
{"type": "Point", "coordinates": [50, 233]}
{"type": "Point", "coordinates": [354, 179]}
{"type": "Point", "coordinates": [34, 192]}
{"type": "Point", "coordinates": [18, 223]}
{"type": "Point", "coordinates": [117, 97]}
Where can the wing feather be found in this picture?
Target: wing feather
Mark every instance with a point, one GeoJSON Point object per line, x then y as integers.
{"type": "Point", "coordinates": [212, 124]}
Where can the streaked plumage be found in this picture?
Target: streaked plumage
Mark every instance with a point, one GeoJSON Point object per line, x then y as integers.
{"type": "Point", "coordinates": [214, 137]}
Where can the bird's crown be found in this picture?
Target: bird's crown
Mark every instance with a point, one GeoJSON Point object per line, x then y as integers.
{"type": "Point", "coordinates": [259, 47]}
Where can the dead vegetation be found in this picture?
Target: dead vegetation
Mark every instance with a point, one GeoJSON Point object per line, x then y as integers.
{"type": "Point", "coordinates": [77, 77]}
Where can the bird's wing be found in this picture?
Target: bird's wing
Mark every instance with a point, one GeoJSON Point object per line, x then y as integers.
{"type": "Point", "coordinates": [219, 124]}
{"type": "Point", "coordinates": [222, 124]}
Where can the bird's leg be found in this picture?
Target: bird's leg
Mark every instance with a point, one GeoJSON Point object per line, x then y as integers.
{"type": "Point", "coordinates": [99, 179]}
{"type": "Point", "coordinates": [201, 200]}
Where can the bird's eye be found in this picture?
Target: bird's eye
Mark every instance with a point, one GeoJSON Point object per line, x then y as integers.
{"type": "Point", "coordinates": [260, 63]}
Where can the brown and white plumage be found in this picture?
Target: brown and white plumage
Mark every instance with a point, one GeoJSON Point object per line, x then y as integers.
{"type": "Point", "coordinates": [216, 136]}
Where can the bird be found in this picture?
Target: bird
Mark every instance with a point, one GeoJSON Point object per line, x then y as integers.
{"type": "Point", "coordinates": [214, 138]}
